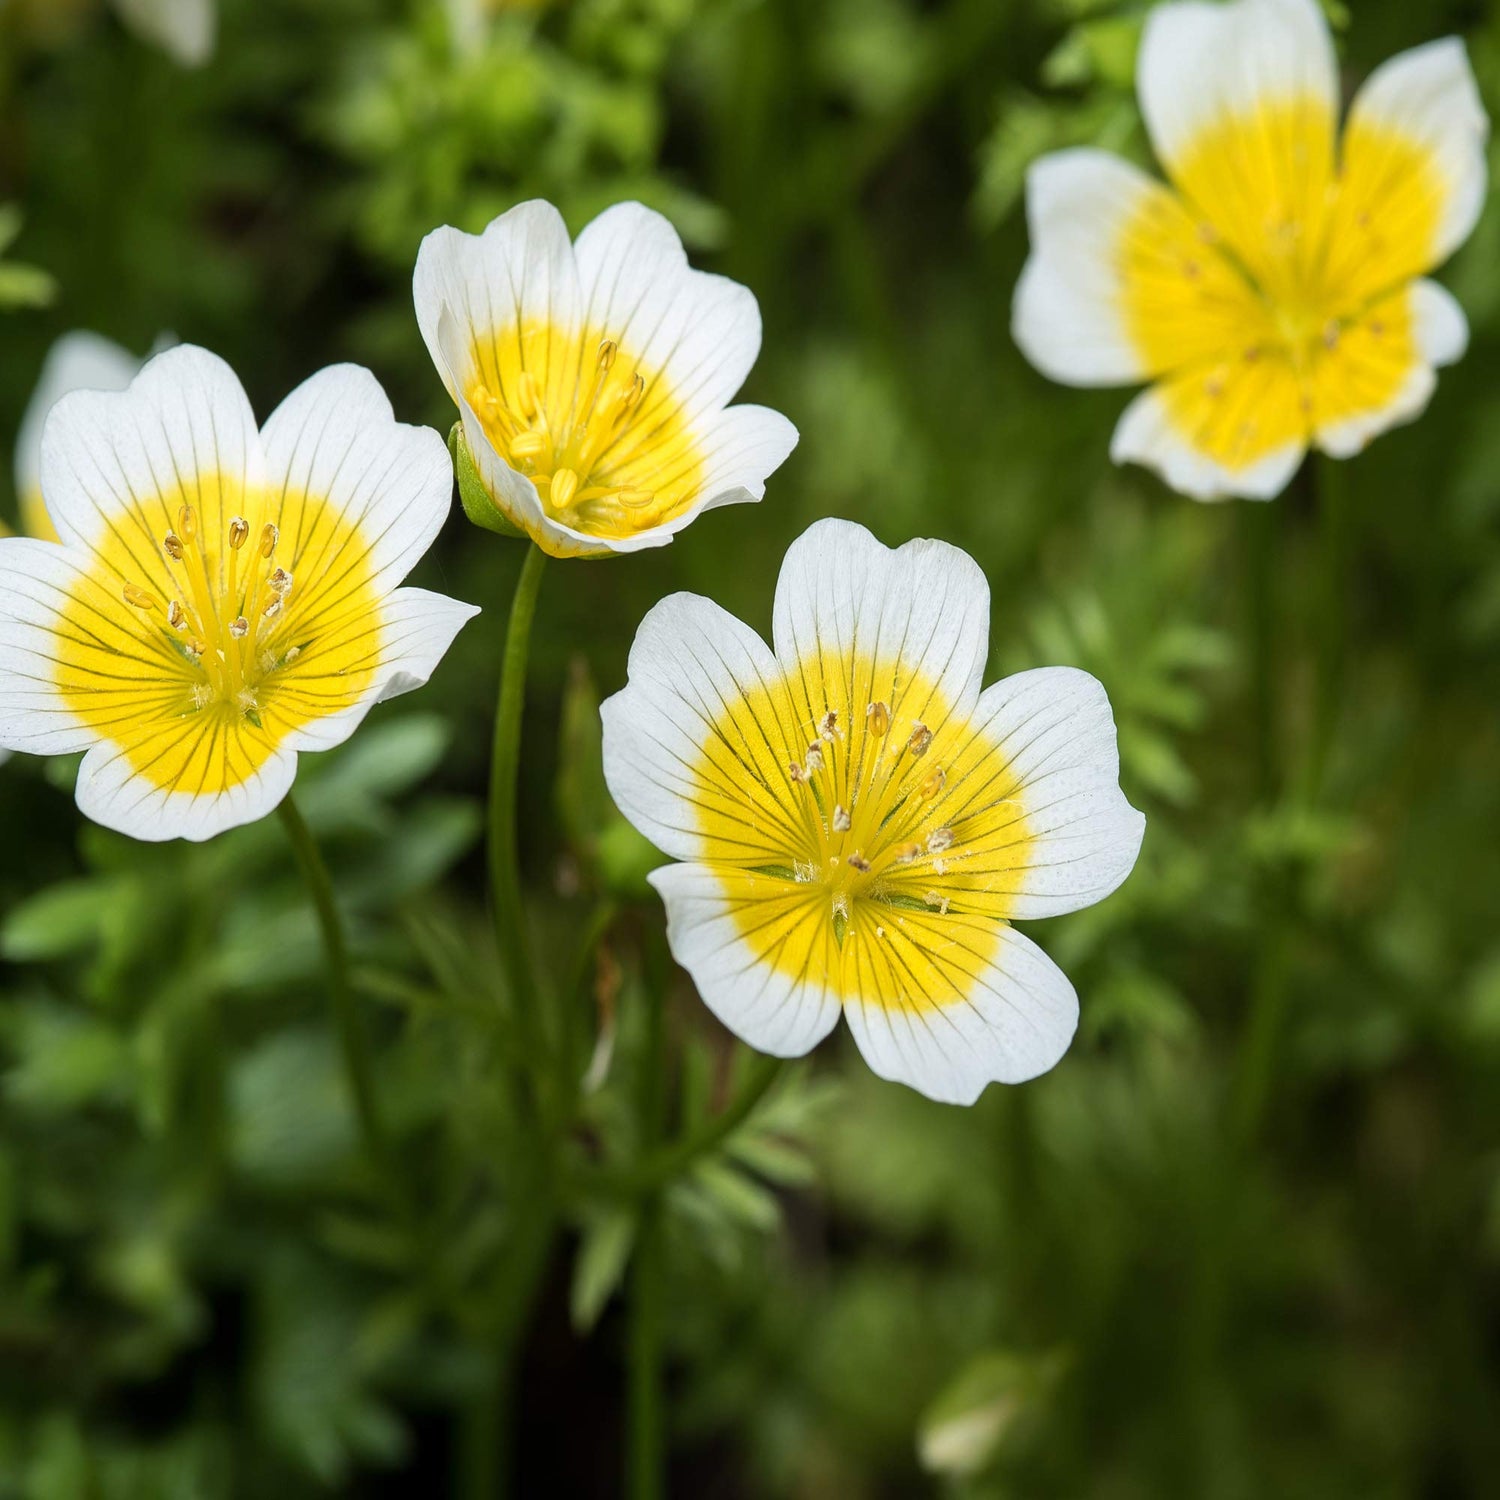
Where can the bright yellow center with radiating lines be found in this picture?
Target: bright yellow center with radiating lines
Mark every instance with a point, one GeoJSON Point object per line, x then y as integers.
{"type": "Point", "coordinates": [1273, 295]}
{"type": "Point", "coordinates": [863, 836]}
{"type": "Point", "coordinates": [214, 622]}
{"type": "Point", "coordinates": [605, 440]}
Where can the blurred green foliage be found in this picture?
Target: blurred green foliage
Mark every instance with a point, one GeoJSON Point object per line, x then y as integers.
{"type": "Point", "coordinates": [1198, 1259]}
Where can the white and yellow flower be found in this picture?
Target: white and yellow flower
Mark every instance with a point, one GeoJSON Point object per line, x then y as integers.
{"type": "Point", "coordinates": [1276, 298]}
{"type": "Point", "coordinates": [594, 379]}
{"type": "Point", "coordinates": [859, 823]}
{"type": "Point", "coordinates": [78, 361]}
{"type": "Point", "coordinates": [221, 597]}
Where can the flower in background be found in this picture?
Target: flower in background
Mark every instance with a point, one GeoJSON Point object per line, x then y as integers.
{"type": "Point", "coordinates": [221, 598]}
{"type": "Point", "coordinates": [1276, 298]}
{"type": "Point", "coordinates": [860, 823]}
{"type": "Point", "coordinates": [79, 361]}
{"type": "Point", "coordinates": [593, 379]}
{"type": "Point", "coordinates": [184, 29]}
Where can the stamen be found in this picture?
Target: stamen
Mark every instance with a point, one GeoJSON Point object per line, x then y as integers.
{"type": "Point", "coordinates": [607, 351]}
{"type": "Point", "coordinates": [939, 839]}
{"type": "Point", "coordinates": [857, 861]}
{"type": "Point", "coordinates": [271, 610]}
{"type": "Point", "coordinates": [906, 853]}
{"type": "Point", "coordinates": [633, 499]}
{"type": "Point", "coordinates": [172, 546]}
{"type": "Point", "coordinates": [796, 772]}
{"type": "Point", "coordinates": [140, 598]}
{"type": "Point", "coordinates": [528, 393]}
{"type": "Point", "coordinates": [529, 444]}
{"type": "Point", "coordinates": [841, 819]}
{"type": "Point", "coordinates": [176, 616]}
{"type": "Point", "coordinates": [187, 524]}
{"type": "Point", "coordinates": [239, 532]}
{"type": "Point", "coordinates": [921, 738]}
{"type": "Point", "coordinates": [270, 534]}
{"type": "Point", "coordinates": [814, 758]}
{"type": "Point", "coordinates": [240, 628]}
{"type": "Point", "coordinates": [280, 583]}
{"type": "Point", "coordinates": [878, 717]}
{"type": "Point", "coordinates": [828, 725]}
{"type": "Point", "coordinates": [933, 785]}
{"type": "Point", "coordinates": [564, 487]}
{"type": "Point", "coordinates": [632, 397]}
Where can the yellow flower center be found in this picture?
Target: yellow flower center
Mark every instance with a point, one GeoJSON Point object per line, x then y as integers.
{"type": "Point", "coordinates": [607, 444]}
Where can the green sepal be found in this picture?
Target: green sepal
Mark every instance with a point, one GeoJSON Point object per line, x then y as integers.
{"type": "Point", "coordinates": [478, 506]}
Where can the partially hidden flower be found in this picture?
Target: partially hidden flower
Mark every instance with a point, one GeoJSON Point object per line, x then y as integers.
{"type": "Point", "coordinates": [221, 597]}
{"type": "Point", "coordinates": [78, 361]}
{"type": "Point", "coordinates": [1274, 295]}
{"type": "Point", "coordinates": [859, 823]}
{"type": "Point", "coordinates": [184, 29]}
{"type": "Point", "coordinates": [593, 379]}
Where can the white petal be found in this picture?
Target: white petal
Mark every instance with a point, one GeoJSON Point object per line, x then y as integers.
{"type": "Point", "coordinates": [1146, 435]}
{"type": "Point", "coordinates": [775, 1012]}
{"type": "Point", "coordinates": [184, 419]}
{"type": "Point", "coordinates": [1441, 327]}
{"type": "Point", "coordinates": [1079, 837]}
{"type": "Point", "coordinates": [184, 29]}
{"type": "Point", "coordinates": [1429, 98]}
{"type": "Point", "coordinates": [700, 332]}
{"type": "Point", "coordinates": [78, 361]}
{"type": "Point", "coordinates": [1014, 1022]}
{"type": "Point", "coordinates": [335, 438]}
{"type": "Point", "coordinates": [113, 794]}
{"type": "Point", "coordinates": [841, 595]}
{"type": "Point", "coordinates": [1203, 63]}
{"type": "Point", "coordinates": [1068, 316]}
{"type": "Point", "coordinates": [666, 754]}
{"type": "Point", "coordinates": [414, 631]}
{"type": "Point", "coordinates": [36, 580]}
{"type": "Point", "coordinates": [521, 269]}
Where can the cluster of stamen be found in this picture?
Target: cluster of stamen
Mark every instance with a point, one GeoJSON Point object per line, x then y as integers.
{"type": "Point", "coordinates": [568, 454]}
{"type": "Point", "coordinates": [870, 798]}
{"type": "Point", "coordinates": [223, 605]}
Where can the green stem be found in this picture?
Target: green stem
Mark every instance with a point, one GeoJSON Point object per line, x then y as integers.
{"type": "Point", "coordinates": [1259, 544]}
{"type": "Point", "coordinates": [1331, 493]}
{"type": "Point", "coordinates": [348, 1013]}
{"type": "Point", "coordinates": [504, 853]}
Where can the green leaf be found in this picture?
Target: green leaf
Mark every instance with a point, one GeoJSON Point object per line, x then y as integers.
{"type": "Point", "coordinates": [476, 501]}
{"type": "Point", "coordinates": [582, 800]}
{"type": "Point", "coordinates": [600, 1266]}
{"type": "Point", "coordinates": [67, 918]}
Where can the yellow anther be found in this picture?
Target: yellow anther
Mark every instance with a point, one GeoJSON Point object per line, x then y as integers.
{"type": "Point", "coordinates": [564, 487]}
{"type": "Point", "coordinates": [271, 610]}
{"type": "Point", "coordinates": [828, 725]}
{"type": "Point", "coordinates": [857, 861]}
{"type": "Point", "coordinates": [528, 393]}
{"type": "Point", "coordinates": [270, 534]}
{"type": "Point", "coordinates": [921, 738]}
{"type": "Point", "coordinates": [176, 616]}
{"type": "Point", "coordinates": [172, 546]}
{"type": "Point", "coordinates": [633, 499]}
{"type": "Point", "coordinates": [280, 583]}
{"type": "Point", "coordinates": [933, 784]}
{"type": "Point", "coordinates": [904, 854]}
{"type": "Point", "coordinates": [795, 771]}
{"type": "Point", "coordinates": [187, 524]}
{"type": "Point", "coordinates": [814, 758]}
{"type": "Point", "coordinates": [607, 351]}
{"type": "Point", "coordinates": [878, 718]}
{"type": "Point", "coordinates": [632, 397]}
{"type": "Point", "coordinates": [239, 532]}
{"type": "Point", "coordinates": [194, 645]}
{"type": "Point", "coordinates": [529, 444]}
{"type": "Point", "coordinates": [939, 839]}
{"type": "Point", "coordinates": [140, 598]}
{"type": "Point", "coordinates": [842, 822]}
{"type": "Point", "coordinates": [240, 628]}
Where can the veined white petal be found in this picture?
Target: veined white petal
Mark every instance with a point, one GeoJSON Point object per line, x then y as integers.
{"type": "Point", "coordinates": [115, 795]}
{"type": "Point", "coordinates": [1068, 316]}
{"type": "Point", "coordinates": [1014, 1021]}
{"type": "Point", "coordinates": [36, 580]}
{"type": "Point", "coordinates": [699, 331]}
{"type": "Point", "coordinates": [783, 1014]}
{"type": "Point", "coordinates": [842, 595]}
{"type": "Point", "coordinates": [184, 29]}
{"type": "Point", "coordinates": [184, 421]}
{"type": "Point", "coordinates": [521, 269]}
{"type": "Point", "coordinates": [1201, 63]}
{"type": "Point", "coordinates": [669, 755]}
{"type": "Point", "coordinates": [78, 361]}
{"type": "Point", "coordinates": [1078, 836]}
{"type": "Point", "coordinates": [336, 439]}
{"type": "Point", "coordinates": [1147, 435]}
{"type": "Point", "coordinates": [1428, 98]}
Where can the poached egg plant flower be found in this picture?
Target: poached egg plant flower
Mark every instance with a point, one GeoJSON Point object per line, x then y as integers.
{"type": "Point", "coordinates": [220, 597]}
{"type": "Point", "coordinates": [593, 380]}
{"type": "Point", "coordinates": [859, 824]}
{"type": "Point", "coordinates": [1273, 295]}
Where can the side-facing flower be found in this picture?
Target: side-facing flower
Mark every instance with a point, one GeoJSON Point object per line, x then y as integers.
{"type": "Point", "coordinates": [860, 823]}
{"type": "Point", "coordinates": [594, 379]}
{"type": "Point", "coordinates": [78, 361]}
{"type": "Point", "coordinates": [1276, 298]}
{"type": "Point", "coordinates": [221, 597]}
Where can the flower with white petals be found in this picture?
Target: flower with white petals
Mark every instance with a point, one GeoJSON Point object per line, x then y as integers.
{"type": "Point", "coordinates": [1274, 295]}
{"type": "Point", "coordinates": [594, 379]}
{"type": "Point", "coordinates": [79, 361]}
{"type": "Point", "coordinates": [859, 823]}
{"type": "Point", "coordinates": [221, 597]}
